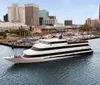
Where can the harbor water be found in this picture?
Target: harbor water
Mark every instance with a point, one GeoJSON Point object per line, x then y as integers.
{"type": "Point", "coordinates": [82, 70]}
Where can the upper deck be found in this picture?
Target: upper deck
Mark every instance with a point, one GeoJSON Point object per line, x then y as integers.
{"type": "Point", "coordinates": [55, 43]}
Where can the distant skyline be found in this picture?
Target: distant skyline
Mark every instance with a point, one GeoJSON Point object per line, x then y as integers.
{"type": "Point", "coordinates": [76, 10]}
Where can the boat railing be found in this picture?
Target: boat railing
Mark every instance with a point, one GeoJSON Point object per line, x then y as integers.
{"type": "Point", "coordinates": [17, 56]}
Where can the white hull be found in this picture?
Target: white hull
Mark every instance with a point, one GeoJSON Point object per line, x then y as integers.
{"type": "Point", "coordinates": [43, 59]}
{"type": "Point", "coordinates": [24, 60]}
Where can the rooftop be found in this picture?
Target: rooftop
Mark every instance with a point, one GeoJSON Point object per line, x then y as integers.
{"type": "Point", "coordinates": [34, 5]}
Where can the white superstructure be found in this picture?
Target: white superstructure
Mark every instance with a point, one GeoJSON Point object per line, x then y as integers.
{"type": "Point", "coordinates": [51, 49]}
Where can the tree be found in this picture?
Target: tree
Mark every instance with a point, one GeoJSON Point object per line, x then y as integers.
{"type": "Point", "coordinates": [3, 34]}
{"type": "Point", "coordinates": [85, 27]}
{"type": "Point", "coordinates": [21, 32]}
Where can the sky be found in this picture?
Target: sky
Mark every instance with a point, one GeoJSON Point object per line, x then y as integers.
{"type": "Point", "coordinates": [76, 10]}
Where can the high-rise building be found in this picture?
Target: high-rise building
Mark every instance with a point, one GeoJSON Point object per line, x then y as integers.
{"type": "Point", "coordinates": [68, 22]}
{"type": "Point", "coordinates": [41, 21]}
{"type": "Point", "coordinates": [97, 23]}
{"type": "Point", "coordinates": [16, 13]}
{"type": "Point", "coordinates": [22, 14]}
{"type": "Point", "coordinates": [93, 22]}
{"type": "Point", "coordinates": [88, 21]}
{"type": "Point", "coordinates": [44, 14]}
{"type": "Point", "coordinates": [32, 14]}
{"type": "Point", "coordinates": [99, 11]}
{"type": "Point", "coordinates": [5, 17]}
{"type": "Point", "coordinates": [13, 13]}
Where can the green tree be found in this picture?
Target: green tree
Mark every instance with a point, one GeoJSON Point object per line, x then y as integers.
{"type": "Point", "coordinates": [85, 27]}
{"type": "Point", "coordinates": [19, 32]}
{"type": "Point", "coordinates": [3, 34]}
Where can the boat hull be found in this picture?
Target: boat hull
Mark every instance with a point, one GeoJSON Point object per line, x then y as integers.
{"type": "Point", "coordinates": [44, 59]}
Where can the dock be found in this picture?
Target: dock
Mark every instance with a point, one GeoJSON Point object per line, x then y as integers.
{"type": "Point", "coordinates": [28, 43]}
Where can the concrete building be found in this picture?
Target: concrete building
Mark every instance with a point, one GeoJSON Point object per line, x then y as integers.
{"type": "Point", "coordinates": [67, 22]}
{"type": "Point", "coordinates": [41, 21]}
{"type": "Point", "coordinates": [13, 13]}
{"type": "Point", "coordinates": [97, 23]}
{"type": "Point", "coordinates": [32, 14]}
{"type": "Point", "coordinates": [94, 23]}
{"type": "Point", "coordinates": [91, 22]}
{"type": "Point", "coordinates": [22, 14]}
{"type": "Point", "coordinates": [5, 18]}
{"type": "Point", "coordinates": [88, 21]}
{"type": "Point", "coordinates": [44, 14]}
{"type": "Point", "coordinates": [50, 21]}
{"type": "Point", "coordinates": [16, 13]}
{"type": "Point", "coordinates": [52, 17]}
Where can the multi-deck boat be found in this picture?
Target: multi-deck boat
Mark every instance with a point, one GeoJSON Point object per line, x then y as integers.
{"type": "Point", "coordinates": [51, 49]}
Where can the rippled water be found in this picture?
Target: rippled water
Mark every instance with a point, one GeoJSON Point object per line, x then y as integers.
{"type": "Point", "coordinates": [83, 70]}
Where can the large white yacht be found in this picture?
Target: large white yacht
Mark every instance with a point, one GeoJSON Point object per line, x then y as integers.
{"type": "Point", "coordinates": [51, 49]}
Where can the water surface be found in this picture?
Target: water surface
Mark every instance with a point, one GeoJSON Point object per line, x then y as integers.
{"type": "Point", "coordinates": [83, 70]}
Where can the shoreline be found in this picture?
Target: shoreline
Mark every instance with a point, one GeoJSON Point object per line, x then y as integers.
{"type": "Point", "coordinates": [14, 46]}
{"type": "Point", "coordinates": [29, 46]}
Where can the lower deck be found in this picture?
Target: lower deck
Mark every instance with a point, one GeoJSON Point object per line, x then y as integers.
{"type": "Point", "coordinates": [46, 58]}
{"type": "Point", "coordinates": [64, 53]}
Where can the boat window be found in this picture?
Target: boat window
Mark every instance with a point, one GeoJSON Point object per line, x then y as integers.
{"type": "Point", "coordinates": [57, 53]}
{"type": "Point", "coordinates": [55, 48]}
{"type": "Point", "coordinates": [58, 42]}
{"type": "Point", "coordinates": [45, 42]}
{"type": "Point", "coordinates": [27, 56]}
